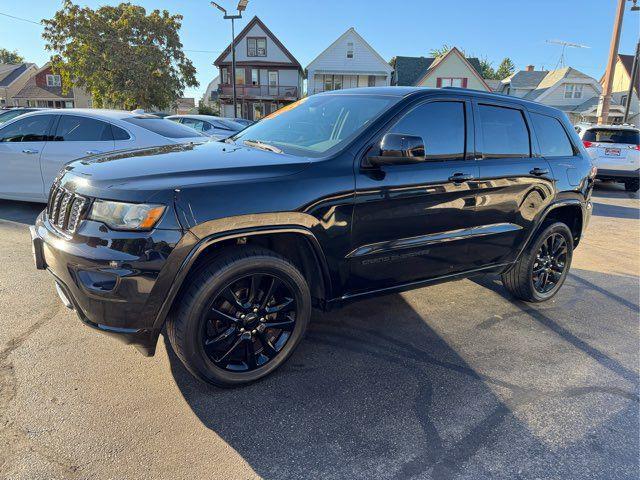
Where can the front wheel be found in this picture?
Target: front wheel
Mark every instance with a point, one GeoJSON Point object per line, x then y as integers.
{"type": "Point", "coordinates": [241, 317]}
{"type": "Point", "coordinates": [543, 266]}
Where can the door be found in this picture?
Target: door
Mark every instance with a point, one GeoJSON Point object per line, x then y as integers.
{"type": "Point", "coordinates": [414, 222]}
{"type": "Point", "coordinates": [75, 137]}
{"type": "Point", "coordinates": [21, 144]}
{"type": "Point", "coordinates": [273, 83]}
{"type": "Point", "coordinates": [515, 182]}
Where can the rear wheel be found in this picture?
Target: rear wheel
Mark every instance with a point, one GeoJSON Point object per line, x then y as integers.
{"type": "Point", "coordinates": [543, 267]}
{"type": "Point", "coordinates": [632, 185]}
{"type": "Point", "coordinates": [241, 317]}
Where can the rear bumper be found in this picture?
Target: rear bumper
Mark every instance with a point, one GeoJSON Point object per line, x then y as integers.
{"type": "Point", "coordinates": [115, 281]}
{"type": "Point", "coordinates": [606, 174]}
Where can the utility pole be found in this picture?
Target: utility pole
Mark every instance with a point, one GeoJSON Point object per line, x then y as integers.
{"type": "Point", "coordinates": [605, 99]}
{"type": "Point", "coordinates": [632, 83]}
{"type": "Point", "coordinates": [242, 5]}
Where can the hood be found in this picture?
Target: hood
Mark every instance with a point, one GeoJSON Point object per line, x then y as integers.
{"type": "Point", "coordinates": [174, 166]}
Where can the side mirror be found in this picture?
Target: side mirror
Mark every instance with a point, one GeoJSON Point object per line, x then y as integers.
{"type": "Point", "coordinates": [397, 149]}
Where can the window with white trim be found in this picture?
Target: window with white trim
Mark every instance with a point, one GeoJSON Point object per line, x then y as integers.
{"type": "Point", "coordinates": [225, 75]}
{"type": "Point", "coordinates": [256, 47]}
{"type": "Point", "coordinates": [573, 90]}
{"type": "Point", "coordinates": [53, 80]}
{"type": "Point", "coordinates": [349, 49]}
{"type": "Point", "coordinates": [451, 82]}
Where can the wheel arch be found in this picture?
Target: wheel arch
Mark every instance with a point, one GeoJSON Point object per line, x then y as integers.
{"type": "Point", "coordinates": [295, 242]}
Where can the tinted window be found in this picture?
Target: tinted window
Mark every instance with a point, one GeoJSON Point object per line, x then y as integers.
{"type": "Point", "coordinates": [195, 124]}
{"type": "Point", "coordinates": [551, 136]}
{"type": "Point", "coordinates": [611, 135]}
{"type": "Point", "coordinates": [119, 133]}
{"type": "Point", "coordinates": [30, 129]}
{"type": "Point", "coordinates": [6, 116]}
{"type": "Point", "coordinates": [441, 126]}
{"type": "Point", "coordinates": [504, 132]}
{"type": "Point", "coordinates": [82, 129]}
{"type": "Point", "coordinates": [231, 125]}
{"type": "Point", "coordinates": [163, 127]}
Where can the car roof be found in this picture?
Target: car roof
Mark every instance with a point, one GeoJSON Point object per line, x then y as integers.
{"type": "Point", "coordinates": [197, 116]}
{"type": "Point", "coordinates": [99, 113]}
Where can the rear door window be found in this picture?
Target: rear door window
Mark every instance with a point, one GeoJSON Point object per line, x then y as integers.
{"type": "Point", "coordinates": [504, 132]}
{"type": "Point", "coordinates": [552, 137]}
{"type": "Point", "coordinates": [442, 127]}
{"type": "Point", "coordinates": [72, 128]}
{"type": "Point", "coordinates": [30, 129]}
{"type": "Point", "coordinates": [612, 135]}
{"type": "Point", "coordinates": [163, 127]}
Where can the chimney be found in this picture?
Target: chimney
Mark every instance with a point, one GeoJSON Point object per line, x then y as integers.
{"type": "Point", "coordinates": [530, 68]}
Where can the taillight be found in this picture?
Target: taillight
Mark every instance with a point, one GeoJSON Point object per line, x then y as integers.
{"type": "Point", "coordinates": [636, 147]}
{"type": "Point", "coordinates": [587, 144]}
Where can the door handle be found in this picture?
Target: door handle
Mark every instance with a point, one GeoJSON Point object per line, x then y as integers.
{"type": "Point", "coordinates": [29, 151]}
{"type": "Point", "coordinates": [539, 171]}
{"type": "Point", "coordinates": [461, 177]}
{"type": "Point", "coordinates": [92, 152]}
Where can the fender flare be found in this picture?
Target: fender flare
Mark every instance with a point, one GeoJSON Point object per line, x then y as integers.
{"type": "Point", "coordinates": [237, 227]}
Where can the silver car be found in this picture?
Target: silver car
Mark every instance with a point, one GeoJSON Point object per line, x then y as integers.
{"type": "Point", "coordinates": [217, 128]}
{"type": "Point", "coordinates": [35, 146]}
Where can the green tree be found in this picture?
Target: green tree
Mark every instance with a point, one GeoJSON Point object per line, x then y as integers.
{"type": "Point", "coordinates": [505, 69]}
{"type": "Point", "coordinates": [443, 50]}
{"type": "Point", "coordinates": [123, 56]}
{"type": "Point", "coordinates": [207, 110]}
{"type": "Point", "coordinates": [10, 57]}
{"type": "Point", "coordinates": [486, 69]}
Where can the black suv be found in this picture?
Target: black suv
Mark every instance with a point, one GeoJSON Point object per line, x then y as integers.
{"type": "Point", "coordinates": [334, 198]}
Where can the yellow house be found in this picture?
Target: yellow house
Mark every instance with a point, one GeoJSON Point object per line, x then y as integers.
{"type": "Point", "coordinates": [620, 89]}
{"type": "Point", "coordinates": [453, 70]}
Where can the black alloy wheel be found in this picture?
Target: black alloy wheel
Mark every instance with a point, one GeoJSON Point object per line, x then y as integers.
{"type": "Point", "coordinates": [550, 263]}
{"type": "Point", "coordinates": [249, 321]}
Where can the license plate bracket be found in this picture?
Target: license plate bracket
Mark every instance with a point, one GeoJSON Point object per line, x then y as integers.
{"type": "Point", "coordinates": [612, 152]}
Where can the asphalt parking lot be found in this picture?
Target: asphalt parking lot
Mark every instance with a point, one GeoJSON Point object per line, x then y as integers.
{"type": "Point", "coordinates": [451, 381]}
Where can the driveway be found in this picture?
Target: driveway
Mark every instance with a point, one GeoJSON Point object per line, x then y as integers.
{"type": "Point", "coordinates": [451, 381]}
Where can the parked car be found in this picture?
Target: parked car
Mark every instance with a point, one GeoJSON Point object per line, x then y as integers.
{"type": "Point", "coordinates": [615, 151]}
{"type": "Point", "coordinates": [35, 146]}
{"type": "Point", "coordinates": [345, 195]}
{"type": "Point", "coordinates": [217, 128]}
{"type": "Point", "coordinates": [243, 121]}
{"type": "Point", "coordinates": [10, 113]}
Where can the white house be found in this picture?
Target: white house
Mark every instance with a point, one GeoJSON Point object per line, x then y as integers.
{"type": "Point", "coordinates": [349, 62]}
{"type": "Point", "coordinates": [566, 89]}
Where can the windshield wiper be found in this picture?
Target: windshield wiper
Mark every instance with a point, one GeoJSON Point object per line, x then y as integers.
{"type": "Point", "coordinates": [262, 145]}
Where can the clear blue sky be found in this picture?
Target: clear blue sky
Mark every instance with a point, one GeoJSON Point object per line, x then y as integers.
{"type": "Point", "coordinates": [490, 28]}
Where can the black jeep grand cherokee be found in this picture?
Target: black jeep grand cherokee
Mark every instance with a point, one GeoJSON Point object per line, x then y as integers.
{"type": "Point", "coordinates": [333, 198]}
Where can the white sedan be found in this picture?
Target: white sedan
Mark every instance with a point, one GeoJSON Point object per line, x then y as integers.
{"type": "Point", "coordinates": [35, 146]}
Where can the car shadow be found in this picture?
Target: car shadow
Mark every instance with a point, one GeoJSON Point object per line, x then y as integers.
{"type": "Point", "coordinates": [615, 211]}
{"type": "Point", "coordinates": [373, 391]}
{"type": "Point", "coordinates": [612, 190]}
{"type": "Point", "coordinates": [20, 212]}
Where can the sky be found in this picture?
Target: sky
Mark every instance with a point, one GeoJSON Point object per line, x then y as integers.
{"type": "Point", "coordinates": [491, 29]}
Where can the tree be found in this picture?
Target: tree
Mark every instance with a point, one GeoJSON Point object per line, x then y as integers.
{"type": "Point", "coordinates": [122, 56]}
{"type": "Point", "coordinates": [10, 57]}
{"type": "Point", "coordinates": [505, 69]}
{"type": "Point", "coordinates": [204, 109]}
{"type": "Point", "coordinates": [443, 50]}
{"type": "Point", "coordinates": [486, 69]}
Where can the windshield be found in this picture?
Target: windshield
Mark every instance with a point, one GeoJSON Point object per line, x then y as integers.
{"type": "Point", "coordinates": [6, 116]}
{"type": "Point", "coordinates": [611, 135]}
{"type": "Point", "coordinates": [163, 127]}
{"type": "Point", "coordinates": [315, 126]}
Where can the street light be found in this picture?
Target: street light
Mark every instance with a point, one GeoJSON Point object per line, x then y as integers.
{"type": "Point", "coordinates": [242, 5]}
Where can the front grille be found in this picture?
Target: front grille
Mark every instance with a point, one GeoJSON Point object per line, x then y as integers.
{"type": "Point", "coordinates": [65, 209]}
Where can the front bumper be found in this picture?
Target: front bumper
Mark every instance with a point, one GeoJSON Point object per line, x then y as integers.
{"type": "Point", "coordinates": [115, 281]}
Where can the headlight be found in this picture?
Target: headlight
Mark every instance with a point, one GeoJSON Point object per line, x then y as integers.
{"type": "Point", "coordinates": [126, 216]}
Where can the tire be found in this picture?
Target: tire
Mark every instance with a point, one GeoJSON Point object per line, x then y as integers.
{"type": "Point", "coordinates": [209, 320]}
{"type": "Point", "coordinates": [632, 185]}
{"type": "Point", "coordinates": [521, 280]}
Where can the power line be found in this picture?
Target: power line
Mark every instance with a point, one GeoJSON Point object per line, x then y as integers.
{"type": "Point", "coordinates": [39, 24]}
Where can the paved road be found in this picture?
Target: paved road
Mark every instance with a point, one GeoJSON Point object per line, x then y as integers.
{"type": "Point", "coordinates": [451, 381]}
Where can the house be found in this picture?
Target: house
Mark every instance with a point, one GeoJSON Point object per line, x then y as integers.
{"type": "Point", "coordinates": [12, 78]}
{"type": "Point", "coordinates": [184, 106]}
{"type": "Point", "coordinates": [566, 89]}
{"type": "Point", "coordinates": [452, 69]}
{"type": "Point", "coordinates": [210, 97]}
{"type": "Point", "coordinates": [44, 89]}
{"type": "Point", "coordinates": [620, 88]}
{"type": "Point", "coordinates": [349, 62]}
{"type": "Point", "coordinates": [267, 75]}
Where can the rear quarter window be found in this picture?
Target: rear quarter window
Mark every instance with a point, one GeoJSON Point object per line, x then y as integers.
{"type": "Point", "coordinates": [163, 127]}
{"type": "Point", "coordinates": [552, 137]}
{"type": "Point", "coordinates": [612, 135]}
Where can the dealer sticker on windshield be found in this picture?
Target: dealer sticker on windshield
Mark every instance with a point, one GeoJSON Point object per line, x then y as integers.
{"type": "Point", "coordinates": [612, 151]}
